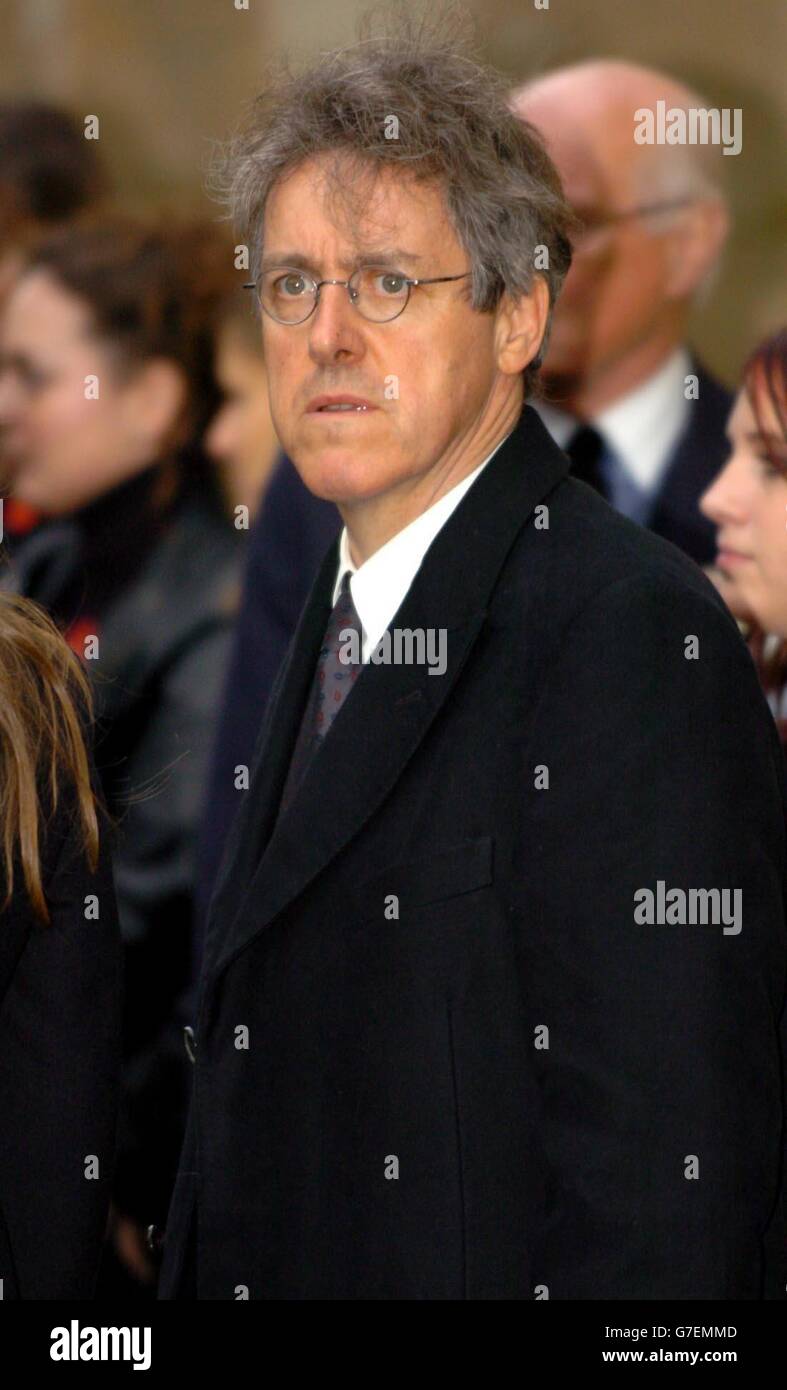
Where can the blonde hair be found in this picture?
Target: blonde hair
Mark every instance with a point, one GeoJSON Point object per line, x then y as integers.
{"type": "Point", "coordinates": [42, 742]}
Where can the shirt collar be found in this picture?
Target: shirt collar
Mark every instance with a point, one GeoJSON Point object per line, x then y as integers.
{"type": "Point", "coordinates": [379, 585]}
{"type": "Point", "coordinates": [643, 427]}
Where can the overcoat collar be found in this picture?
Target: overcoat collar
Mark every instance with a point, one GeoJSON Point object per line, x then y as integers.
{"type": "Point", "coordinates": [389, 711]}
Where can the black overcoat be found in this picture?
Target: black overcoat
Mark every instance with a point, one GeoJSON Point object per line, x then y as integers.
{"type": "Point", "coordinates": [437, 1056]}
{"type": "Point", "coordinates": [60, 1044]}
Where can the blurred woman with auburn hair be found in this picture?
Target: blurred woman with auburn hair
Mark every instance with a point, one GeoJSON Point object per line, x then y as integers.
{"type": "Point", "coordinates": [60, 972]}
{"type": "Point", "coordinates": [747, 501]}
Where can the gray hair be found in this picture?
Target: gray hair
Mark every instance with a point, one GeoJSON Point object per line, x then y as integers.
{"type": "Point", "coordinates": [453, 126]}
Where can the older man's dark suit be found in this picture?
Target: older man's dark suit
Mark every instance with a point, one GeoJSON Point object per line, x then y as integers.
{"type": "Point", "coordinates": [497, 1091]}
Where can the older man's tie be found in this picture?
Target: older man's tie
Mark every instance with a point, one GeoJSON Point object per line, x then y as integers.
{"type": "Point", "coordinates": [333, 680]}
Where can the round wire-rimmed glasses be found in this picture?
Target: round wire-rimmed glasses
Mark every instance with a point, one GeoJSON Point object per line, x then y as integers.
{"type": "Point", "coordinates": [380, 294]}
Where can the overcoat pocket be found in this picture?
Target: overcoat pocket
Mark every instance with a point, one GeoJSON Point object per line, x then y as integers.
{"type": "Point", "coordinates": [446, 873]}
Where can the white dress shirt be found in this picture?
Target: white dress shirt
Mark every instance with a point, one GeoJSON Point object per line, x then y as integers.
{"type": "Point", "coordinates": [642, 429]}
{"type": "Point", "coordinates": [379, 585]}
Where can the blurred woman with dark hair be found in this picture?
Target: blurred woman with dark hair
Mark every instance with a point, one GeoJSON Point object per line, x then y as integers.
{"type": "Point", "coordinates": [50, 174]}
{"type": "Point", "coordinates": [106, 387]}
{"type": "Point", "coordinates": [60, 984]}
{"type": "Point", "coordinates": [747, 501]}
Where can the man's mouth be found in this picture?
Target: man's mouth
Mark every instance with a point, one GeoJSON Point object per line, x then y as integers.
{"type": "Point", "coordinates": [339, 404]}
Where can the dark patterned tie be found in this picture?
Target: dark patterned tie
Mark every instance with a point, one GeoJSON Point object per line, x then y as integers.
{"type": "Point", "coordinates": [333, 680]}
{"type": "Point", "coordinates": [585, 448]}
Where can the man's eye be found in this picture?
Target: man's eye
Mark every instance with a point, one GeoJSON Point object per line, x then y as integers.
{"type": "Point", "coordinates": [391, 283]}
{"type": "Point", "coordinates": [290, 285]}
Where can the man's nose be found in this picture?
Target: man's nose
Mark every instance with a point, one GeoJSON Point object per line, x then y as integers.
{"type": "Point", "coordinates": [336, 329]}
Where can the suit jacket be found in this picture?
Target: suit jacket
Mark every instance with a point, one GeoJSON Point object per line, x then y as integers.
{"type": "Point", "coordinates": [60, 1011]}
{"type": "Point", "coordinates": [436, 1056]}
{"type": "Point", "coordinates": [698, 456]}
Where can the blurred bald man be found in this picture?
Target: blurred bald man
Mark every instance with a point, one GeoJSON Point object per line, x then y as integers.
{"type": "Point", "coordinates": [639, 416]}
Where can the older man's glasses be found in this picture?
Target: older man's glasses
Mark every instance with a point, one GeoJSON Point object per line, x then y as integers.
{"type": "Point", "coordinates": [290, 296]}
{"type": "Point", "coordinates": [592, 226]}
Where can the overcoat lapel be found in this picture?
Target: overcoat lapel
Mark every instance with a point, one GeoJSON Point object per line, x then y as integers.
{"type": "Point", "coordinates": [252, 826]}
{"type": "Point", "coordinates": [389, 710]}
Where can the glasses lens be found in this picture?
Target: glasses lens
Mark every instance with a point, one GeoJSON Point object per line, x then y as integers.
{"type": "Point", "coordinates": [288, 295]}
{"type": "Point", "coordinates": [379, 294]}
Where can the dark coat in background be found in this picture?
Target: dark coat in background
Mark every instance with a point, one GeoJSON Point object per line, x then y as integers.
{"type": "Point", "coordinates": [436, 1056]}
{"type": "Point", "coordinates": [60, 1015]}
{"type": "Point", "coordinates": [700, 453]}
{"type": "Point", "coordinates": [164, 645]}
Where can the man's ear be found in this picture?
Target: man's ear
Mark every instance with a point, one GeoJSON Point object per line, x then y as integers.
{"type": "Point", "coordinates": [520, 328]}
{"type": "Point", "coordinates": [695, 246]}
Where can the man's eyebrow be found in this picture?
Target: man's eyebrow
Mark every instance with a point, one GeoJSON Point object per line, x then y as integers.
{"type": "Point", "coordinates": [389, 255]}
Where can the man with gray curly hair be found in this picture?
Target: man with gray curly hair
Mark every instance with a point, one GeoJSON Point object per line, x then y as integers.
{"type": "Point", "coordinates": [440, 1052]}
